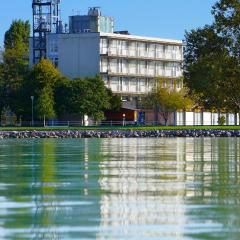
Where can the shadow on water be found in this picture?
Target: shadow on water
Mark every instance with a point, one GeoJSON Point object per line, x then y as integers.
{"type": "Point", "coordinates": [120, 188]}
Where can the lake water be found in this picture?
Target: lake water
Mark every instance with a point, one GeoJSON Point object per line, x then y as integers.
{"type": "Point", "coordinates": [120, 189]}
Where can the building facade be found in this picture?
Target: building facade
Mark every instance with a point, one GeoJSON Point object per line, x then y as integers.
{"type": "Point", "coordinates": [128, 64]}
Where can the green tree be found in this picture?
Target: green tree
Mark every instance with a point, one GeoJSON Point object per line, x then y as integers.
{"type": "Point", "coordinates": [45, 104]}
{"type": "Point", "coordinates": [18, 36]}
{"type": "Point", "coordinates": [40, 83]}
{"type": "Point", "coordinates": [83, 97]}
{"type": "Point", "coordinates": [44, 74]}
{"type": "Point", "coordinates": [212, 58]}
{"type": "Point", "coordinates": [15, 64]}
{"type": "Point", "coordinates": [61, 96]}
{"type": "Point", "coordinates": [1, 89]}
{"type": "Point", "coordinates": [227, 20]}
{"type": "Point", "coordinates": [115, 101]}
{"type": "Point", "coordinates": [167, 100]}
{"type": "Point", "coordinates": [204, 54]}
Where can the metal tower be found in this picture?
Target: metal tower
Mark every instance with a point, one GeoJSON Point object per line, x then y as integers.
{"type": "Point", "coordinates": [46, 19]}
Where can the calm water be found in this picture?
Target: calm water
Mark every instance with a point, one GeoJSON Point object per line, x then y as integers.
{"type": "Point", "coordinates": [120, 189]}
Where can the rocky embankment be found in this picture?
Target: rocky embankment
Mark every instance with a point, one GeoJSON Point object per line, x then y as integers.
{"type": "Point", "coordinates": [118, 133]}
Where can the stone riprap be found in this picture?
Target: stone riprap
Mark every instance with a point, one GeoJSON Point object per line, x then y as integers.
{"type": "Point", "coordinates": [118, 133]}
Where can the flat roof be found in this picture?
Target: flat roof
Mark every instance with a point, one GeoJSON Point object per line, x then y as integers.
{"type": "Point", "coordinates": [140, 38]}
{"type": "Point", "coordinates": [121, 36]}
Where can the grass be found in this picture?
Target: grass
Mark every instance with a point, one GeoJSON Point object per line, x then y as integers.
{"type": "Point", "coordinates": [121, 128]}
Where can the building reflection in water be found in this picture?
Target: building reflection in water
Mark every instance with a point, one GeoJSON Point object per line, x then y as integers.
{"type": "Point", "coordinates": [120, 188]}
{"type": "Point", "coordinates": [152, 187]}
{"type": "Point", "coordinates": [144, 182]}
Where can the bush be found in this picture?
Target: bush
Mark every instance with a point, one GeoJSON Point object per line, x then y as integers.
{"type": "Point", "coordinates": [221, 120]}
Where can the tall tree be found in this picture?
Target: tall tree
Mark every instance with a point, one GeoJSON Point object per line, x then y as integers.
{"type": "Point", "coordinates": [1, 89]}
{"type": "Point", "coordinates": [45, 104]}
{"type": "Point", "coordinates": [40, 83]}
{"type": "Point", "coordinates": [212, 58]}
{"type": "Point", "coordinates": [227, 22]}
{"type": "Point", "coordinates": [17, 37]}
{"type": "Point", "coordinates": [204, 55]}
{"type": "Point", "coordinates": [15, 64]}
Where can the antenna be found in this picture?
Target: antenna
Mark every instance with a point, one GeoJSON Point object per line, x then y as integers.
{"type": "Point", "coordinates": [46, 19]}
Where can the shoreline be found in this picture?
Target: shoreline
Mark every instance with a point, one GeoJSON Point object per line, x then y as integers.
{"type": "Point", "coordinates": [33, 134]}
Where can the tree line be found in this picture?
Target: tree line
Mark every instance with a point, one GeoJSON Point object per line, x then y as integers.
{"type": "Point", "coordinates": [212, 59]}
{"type": "Point", "coordinates": [54, 94]}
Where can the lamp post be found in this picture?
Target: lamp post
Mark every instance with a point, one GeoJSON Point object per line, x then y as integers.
{"type": "Point", "coordinates": [32, 98]}
{"type": "Point", "coordinates": [124, 117]}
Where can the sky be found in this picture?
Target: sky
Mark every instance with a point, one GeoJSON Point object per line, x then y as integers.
{"type": "Point", "coordinates": [154, 18]}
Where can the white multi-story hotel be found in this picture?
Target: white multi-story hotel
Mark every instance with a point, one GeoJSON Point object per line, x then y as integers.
{"type": "Point", "coordinates": [128, 64]}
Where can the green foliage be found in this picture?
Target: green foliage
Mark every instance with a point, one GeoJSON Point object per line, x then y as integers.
{"type": "Point", "coordinates": [115, 101]}
{"type": "Point", "coordinates": [212, 58]}
{"type": "Point", "coordinates": [15, 65]}
{"type": "Point", "coordinates": [18, 35]}
{"type": "Point", "coordinates": [83, 96]}
{"type": "Point", "coordinates": [40, 83]}
{"type": "Point", "coordinates": [45, 104]}
{"type": "Point", "coordinates": [167, 100]}
{"type": "Point", "coordinates": [227, 21]}
{"type": "Point", "coordinates": [61, 95]}
{"type": "Point", "coordinates": [221, 120]}
{"type": "Point", "coordinates": [44, 74]}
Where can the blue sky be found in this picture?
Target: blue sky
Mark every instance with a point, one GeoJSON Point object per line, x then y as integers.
{"type": "Point", "coordinates": [157, 18]}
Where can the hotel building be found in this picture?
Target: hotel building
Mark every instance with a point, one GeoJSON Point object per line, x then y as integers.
{"type": "Point", "coordinates": [128, 64]}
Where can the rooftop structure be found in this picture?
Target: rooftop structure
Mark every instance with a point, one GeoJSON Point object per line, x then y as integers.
{"type": "Point", "coordinates": [93, 22]}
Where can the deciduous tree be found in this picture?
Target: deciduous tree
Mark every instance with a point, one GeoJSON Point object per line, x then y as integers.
{"type": "Point", "coordinates": [212, 58]}
{"type": "Point", "coordinates": [15, 64]}
{"type": "Point", "coordinates": [45, 104]}
{"type": "Point", "coordinates": [167, 100]}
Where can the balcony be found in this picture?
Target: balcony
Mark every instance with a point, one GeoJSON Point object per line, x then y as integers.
{"type": "Point", "coordinates": [143, 56]}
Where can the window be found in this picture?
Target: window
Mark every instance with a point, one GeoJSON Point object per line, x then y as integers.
{"type": "Point", "coordinates": [123, 66]}
{"type": "Point", "coordinates": [122, 48]}
{"type": "Point", "coordinates": [159, 51]}
{"type": "Point", "coordinates": [151, 68]}
{"type": "Point", "coordinates": [151, 50]}
{"type": "Point", "coordinates": [125, 84]}
{"type": "Point", "coordinates": [160, 69]}
{"type": "Point", "coordinates": [53, 46]}
{"type": "Point", "coordinates": [133, 85]}
{"type": "Point", "coordinates": [132, 67]}
{"type": "Point", "coordinates": [169, 51]}
{"type": "Point", "coordinates": [103, 65]}
{"type": "Point", "coordinates": [142, 67]}
{"type": "Point", "coordinates": [141, 49]}
{"type": "Point", "coordinates": [113, 47]}
{"type": "Point", "coordinates": [114, 65]}
{"type": "Point", "coordinates": [103, 46]}
{"type": "Point", "coordinates": [168, 69]}
{"type": "Point", "coordinates": [132, 49]}
{"type": "Point", "coordinates": [142, 85]}
{"type": "Point", "coordinates": [114, 84]}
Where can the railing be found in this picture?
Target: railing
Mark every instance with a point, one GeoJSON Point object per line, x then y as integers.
{"type": "Point", "coordinates": [122, 123]}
